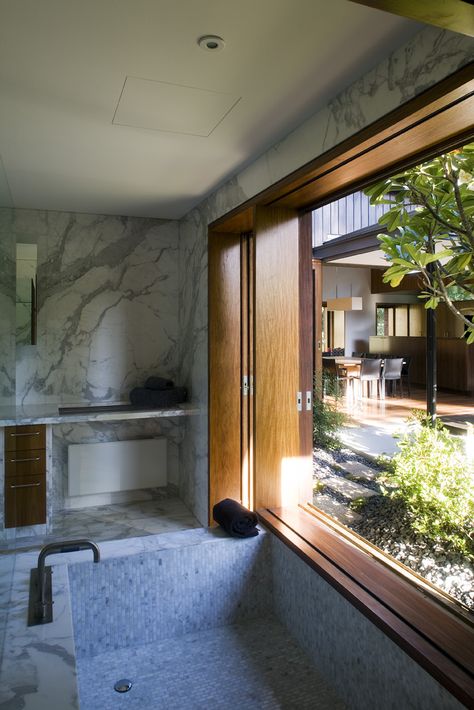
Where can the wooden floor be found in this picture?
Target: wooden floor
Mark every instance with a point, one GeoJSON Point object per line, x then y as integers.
{"type": "Point", "coordinates": [395, 410]}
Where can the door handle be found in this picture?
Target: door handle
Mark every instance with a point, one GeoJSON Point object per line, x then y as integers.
{"type": "Point", "coordinates": [36, 458]}
{"type": "Point", "coordinates": [299, 401]}
{"type": "Point", "coordinates": [25, 433]}
{"type": "Point", "coordinates": [25, 485]}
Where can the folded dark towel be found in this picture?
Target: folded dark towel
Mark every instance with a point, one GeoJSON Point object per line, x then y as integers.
{"type": "Point", "coordinates": [158, 383]}
{"type": "Point", "coordinates": [235, 519]}
{"type": "Point", "coordinates": [142, 397]}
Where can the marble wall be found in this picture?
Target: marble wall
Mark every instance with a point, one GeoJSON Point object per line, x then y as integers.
{"type": "Point", "coordinates": [95, 432]}
{"type": "Point", "coordinates": [426, 59]}
{"type": "Point", "coordinates": [107, 318]}
{"type": "Point", "coordinates": [107, 304]}
{"type": "Point", "coordinates": [7, 311]}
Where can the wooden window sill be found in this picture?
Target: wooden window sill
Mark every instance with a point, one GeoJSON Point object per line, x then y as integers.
{"type": "Point", "coordinates": [439, 640]}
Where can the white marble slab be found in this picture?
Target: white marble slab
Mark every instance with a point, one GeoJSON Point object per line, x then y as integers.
{"type": "Point", "coordinates": [49, 414]}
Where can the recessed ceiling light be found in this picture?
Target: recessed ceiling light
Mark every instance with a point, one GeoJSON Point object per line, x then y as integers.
{"type": "Point", "coordinates": [211, 43]}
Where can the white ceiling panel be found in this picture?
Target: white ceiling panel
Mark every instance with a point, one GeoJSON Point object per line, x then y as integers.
{"type": "Point", "coordinates": [63, 67]}
{"type": "Point", "coordinates": [160, 106]}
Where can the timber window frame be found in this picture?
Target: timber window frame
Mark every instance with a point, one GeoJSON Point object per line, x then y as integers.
{"type": "Point", "coordinates": [437, 120]}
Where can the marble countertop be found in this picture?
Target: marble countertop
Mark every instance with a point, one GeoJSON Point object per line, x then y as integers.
{"type": "Point", "coordinates": [49, 414]}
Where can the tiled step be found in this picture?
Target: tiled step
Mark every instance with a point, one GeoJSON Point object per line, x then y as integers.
{"type": "Point", "coordinates": [359, 471]}
{"type": "Point", "coordinates": [335, 509]}
{"type": "Point", "coordinates": [347, 488]}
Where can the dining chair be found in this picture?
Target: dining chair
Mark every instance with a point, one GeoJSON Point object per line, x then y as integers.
{"type": "Point", "coordinates": [333, 374]}
{"type": "Point", "coordinates": [406, 372]}
{"type": "Point", "coordinates": [370, 371]}
{"type": "Point", "coordinates": [392, 372]}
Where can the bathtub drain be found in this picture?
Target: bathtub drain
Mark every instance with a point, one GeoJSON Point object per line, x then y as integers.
{"type": "Point", "coordinates": [123, 685]}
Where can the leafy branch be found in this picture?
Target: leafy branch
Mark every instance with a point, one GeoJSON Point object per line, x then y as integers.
{"type": "Point", "coordinates": [430, 227]}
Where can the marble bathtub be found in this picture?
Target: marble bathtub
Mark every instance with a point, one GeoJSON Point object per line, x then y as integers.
{"type": "Point", "coordinates": [188, 617]}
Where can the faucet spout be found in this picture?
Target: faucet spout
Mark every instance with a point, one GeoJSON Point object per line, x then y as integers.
{"type": "Point", "coordinates": [41, 601]}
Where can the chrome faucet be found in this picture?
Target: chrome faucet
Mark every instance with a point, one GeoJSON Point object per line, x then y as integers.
{"type": "Point", "coordinates": [41, 596]}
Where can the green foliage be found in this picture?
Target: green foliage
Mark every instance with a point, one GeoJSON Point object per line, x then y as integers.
{"type": "Point", "coordinates": [431, 473]}
{"type": "Point", "coordinates": [431, 228]}
{"type": "Point", "coordinates": [327, 419]}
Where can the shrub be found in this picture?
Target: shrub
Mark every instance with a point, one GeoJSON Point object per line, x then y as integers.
{"type": "Point", "coordinates": [433, 475]}
{"type": "Point", "coordinates": [327, 419]}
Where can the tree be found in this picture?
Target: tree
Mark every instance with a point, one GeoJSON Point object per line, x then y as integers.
{"type": "Point", "coordinates": [431, 229]}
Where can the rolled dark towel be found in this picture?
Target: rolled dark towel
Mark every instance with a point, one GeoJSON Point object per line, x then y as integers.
{"type": "Point", "coordinates": [142, 397]}
{"type": "Point", "coordinates": [158, 383]}
{"type": "Point", "coordinates": [235, 519]}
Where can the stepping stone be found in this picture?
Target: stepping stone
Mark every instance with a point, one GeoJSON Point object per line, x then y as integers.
{"type": "Point", "coordinates": [359, 471]}
{"type": "Point", "coordinates": [335, 509]}
{"type": "Point", "coordinates": [347, 488]}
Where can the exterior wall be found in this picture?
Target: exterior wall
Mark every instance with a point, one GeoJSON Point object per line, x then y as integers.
{"type": "Point", "coordinates": [426, 59]}
{"type": "Point", "coordinates": [359, 325]}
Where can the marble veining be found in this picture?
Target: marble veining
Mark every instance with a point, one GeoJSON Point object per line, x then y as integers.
{"type": "Point", "coordinates": [34, 656]}
{"type": "Point", "coordinates": [155, 511]}
{"type": "Point", "coordinates": [7, 313]}
{"type": "Point", "coordinates": [97, 431]}
{"type": "Point", "coordinates": [107, 304]}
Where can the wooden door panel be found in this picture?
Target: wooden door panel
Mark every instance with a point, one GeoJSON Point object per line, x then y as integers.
{"type": "Point", "coordinates": [224, 368]}
{"type": "Point", "coordinates": [281, 467]}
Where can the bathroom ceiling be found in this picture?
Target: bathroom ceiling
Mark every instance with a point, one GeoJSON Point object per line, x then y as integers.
{"type": "Point", "coordinates": [111, 107]}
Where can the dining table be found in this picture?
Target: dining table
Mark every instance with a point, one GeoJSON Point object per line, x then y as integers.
{"type": "Point", "coordinates": [352, 367]}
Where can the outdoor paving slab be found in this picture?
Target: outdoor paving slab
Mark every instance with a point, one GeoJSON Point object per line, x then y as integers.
{"type": "Point", "coordinates": [349, 489]}
{"type": "Point", "coordinates": [359, 471]}
{"type": "Point", "coordinates": [337, 510]}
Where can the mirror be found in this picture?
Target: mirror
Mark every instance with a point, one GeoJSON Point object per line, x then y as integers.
{"type": "Point", "coordinates": [26, 293]}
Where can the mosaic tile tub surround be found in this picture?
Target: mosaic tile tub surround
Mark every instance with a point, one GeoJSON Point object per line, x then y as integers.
{"type": "Point", "coordinates": [144, 598]}
{"type": "Point", "coordinates": [197, 619]}
{"type": "Point", "coordinates": [190, 626]}
{"type": "Point", "coordinates": [366, 669]}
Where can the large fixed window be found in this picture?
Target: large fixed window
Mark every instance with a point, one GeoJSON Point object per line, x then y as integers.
{"type": "Point", "coordinates": [406, 319]}
{"type": "Point", "coordinates": [415, 504]}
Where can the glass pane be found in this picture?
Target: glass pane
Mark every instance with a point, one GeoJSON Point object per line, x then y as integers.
{"type": "Point", "coordinates": [401, 320]}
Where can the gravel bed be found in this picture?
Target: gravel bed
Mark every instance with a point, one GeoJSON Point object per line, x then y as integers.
{"type": "Point", "coordinates": [388, 524]}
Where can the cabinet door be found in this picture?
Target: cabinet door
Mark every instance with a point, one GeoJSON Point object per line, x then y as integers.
{"type": "Point", "coordinates": [25, 437]}
{"type": "Point", "coordinates": [283, 358]}
{"type": "Point", "coordinates": [25, 463]}
{"type": "Point", "coordinates": [25, 501]}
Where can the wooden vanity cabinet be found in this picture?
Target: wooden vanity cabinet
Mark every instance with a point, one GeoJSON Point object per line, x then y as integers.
{"type": "Point", "coordinates": [25, 475]}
